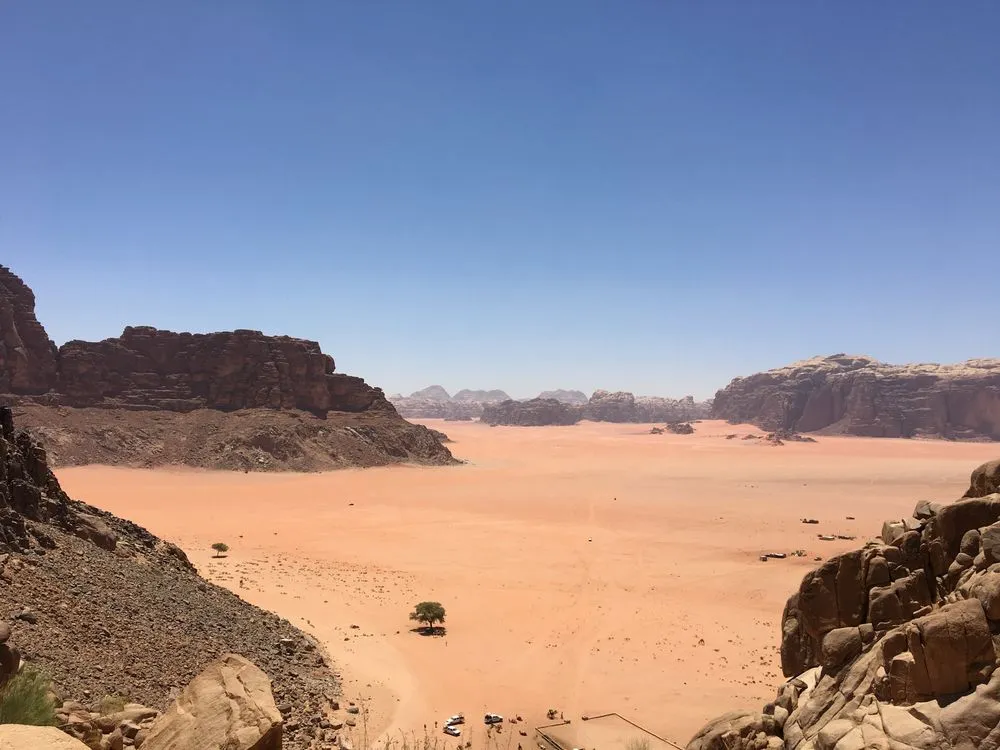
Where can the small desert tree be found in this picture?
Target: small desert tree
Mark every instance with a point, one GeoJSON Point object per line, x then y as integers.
{"type": "Point", "coordinates": [220, 549]}
{"type": "Point", "coordinates": [428, 613]}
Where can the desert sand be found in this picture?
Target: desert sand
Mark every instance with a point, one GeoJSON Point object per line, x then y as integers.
{"type": "Point", "coordinates": [589, 569]}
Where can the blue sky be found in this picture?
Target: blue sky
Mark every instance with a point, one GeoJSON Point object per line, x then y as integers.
{"type": "Point", "coordinates": [649, 195]}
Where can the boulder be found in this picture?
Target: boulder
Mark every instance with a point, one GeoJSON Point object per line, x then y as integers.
{"type": "Point", "coordinates": [985, 480]}
{"type": "Point", "coordinates": [20, 737]}
{"type": "Point", "coordinates": [228, 705]}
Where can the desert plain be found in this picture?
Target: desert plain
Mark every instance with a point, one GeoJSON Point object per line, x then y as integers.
{"type": "Point", "coordinates": [589, 569]}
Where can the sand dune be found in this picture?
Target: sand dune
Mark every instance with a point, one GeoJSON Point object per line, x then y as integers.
{"type": "Point", "coordinates": [589, 568]}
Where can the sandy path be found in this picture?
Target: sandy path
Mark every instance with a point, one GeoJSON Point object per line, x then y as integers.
{"type": "Point", "coordinates": [589, 568]}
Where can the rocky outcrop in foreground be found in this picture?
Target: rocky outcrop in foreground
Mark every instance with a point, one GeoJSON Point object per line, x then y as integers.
{"type": "Point", "coordinates": [533, 413]}
{"type": "Point", "coordinates": [894, 646]}
{"type": "Point", "coordinates": [105, 608]}
{"type": "Point", "coordinates": [163, 374]}
{"type": "Point", "coordinates": [849, 395]}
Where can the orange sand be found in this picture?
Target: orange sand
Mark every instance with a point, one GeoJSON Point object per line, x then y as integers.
{"type": "Point", "coordinates": [589, 569]}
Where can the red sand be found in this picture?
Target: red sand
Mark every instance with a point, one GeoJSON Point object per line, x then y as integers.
{"type": "Point", "coordinates": [590, 568]}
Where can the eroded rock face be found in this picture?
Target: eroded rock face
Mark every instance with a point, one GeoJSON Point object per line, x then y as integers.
{"type": "Point", "coordinates": [891, 646]}
{"type": "Point", "coordinates": [149, 368]}
{"type": "Point", "coordinates": [229, 705]}
{"type": "Point", "coordinates": [861, 396]}
{"type": "Point", "coordinates": [533, 413]}
{"type": "Point", "coordinates": [27, 355]}
{"type": "Point", "coordinates": [146, 368]}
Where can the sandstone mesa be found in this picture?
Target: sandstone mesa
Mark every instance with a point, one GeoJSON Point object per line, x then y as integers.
{"type": "Point", "coordinates": [843, 394]}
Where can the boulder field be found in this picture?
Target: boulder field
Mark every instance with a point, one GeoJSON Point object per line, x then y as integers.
{"type": "Point", "coordinates": [894, 646]}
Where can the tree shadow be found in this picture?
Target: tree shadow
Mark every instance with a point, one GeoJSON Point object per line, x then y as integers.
{"type": "Point", "coordinates": [437, 631]}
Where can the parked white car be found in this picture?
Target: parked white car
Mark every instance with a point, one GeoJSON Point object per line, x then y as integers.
{"type": "Point", "coordinates": [456, 719]}
{"type": "Point", "coordinates": [453, 730]}
{"type": "Point", "coordinates": [493, 719]}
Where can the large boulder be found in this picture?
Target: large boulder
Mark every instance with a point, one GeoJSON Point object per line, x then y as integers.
{"type": "Point", "coordinates": [860, 396]}
{"type": "Point", "coordinates": [20, 737]}
{"type": "Point", "coordinates": [985, 480]}
{"type": "Point", "coordinates": [229, 705]}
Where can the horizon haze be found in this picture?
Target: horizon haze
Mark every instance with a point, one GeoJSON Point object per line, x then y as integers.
{"type": "Point", "coordinates": [651, 197]}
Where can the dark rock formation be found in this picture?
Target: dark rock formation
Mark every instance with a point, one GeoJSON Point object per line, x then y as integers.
{"type": "Point", "coordinates": [149, 370]}
{"type": "Point", "coordinates": [891, 645]}
{"type": "Point", "coordinates": [533, 413]}
{"type": "Point", "coordinates": [27, 355]}
{"type": "Point", "coordinates": [107, 608]}
{"type": "Point", "coordinates": [575, 398]}
{"type": "Point", "coordinates": [860, 396]}
{"type": "Point", "coordinates": [680, 428]}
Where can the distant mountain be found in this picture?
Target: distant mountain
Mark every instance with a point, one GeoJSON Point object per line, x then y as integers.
{"type": "Point", "coordinates": [481, 396]}
{"type": "Point", "coordinates": [432, 393]}
{"type": "Point", "coordinates": [577, 398]}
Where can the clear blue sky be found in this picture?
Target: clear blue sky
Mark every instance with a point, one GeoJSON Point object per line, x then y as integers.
{"type": "Point", "coordinates": [650, 195]}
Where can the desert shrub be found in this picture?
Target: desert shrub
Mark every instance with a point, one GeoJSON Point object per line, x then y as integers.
{"type": "Point", "coordinates": [637, 743]}
{"type": "Point", "coordinates": [111, 704]}
{"type": "Point", "coordinates": [220, 548]}
{"type": "Point", "coordinates": [25, 700]}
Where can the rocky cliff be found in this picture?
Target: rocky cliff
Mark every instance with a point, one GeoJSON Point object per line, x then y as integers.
{"type": "Point", "coordinates": [533, 413]}
{"type": "Point", "coordinates": [861, 396]}
{"type": "Point", "coordinates": [577, 398]}
{"type": "Point", "coordinates": [104, 607]}
{"type": "Point", "coordinates": [894, 645]}
{"type": "Point", "coordinates": [149, 370]}
{"type": "Point", "coordinates": [27, 355]}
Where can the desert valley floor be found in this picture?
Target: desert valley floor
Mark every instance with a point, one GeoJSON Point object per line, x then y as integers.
{"type": "Point", "coordinates": [591, 568]}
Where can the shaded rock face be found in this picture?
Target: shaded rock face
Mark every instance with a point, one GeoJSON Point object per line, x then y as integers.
{"type": "Point", "coordinates": [890, 646]}
{"type": "Point", "coordinates": [842, 394]}
{"type": "Point", "coordinates": [533, 413]}
{"type": "Point", "coordinates": [27, 355]}
{"type": "Point", "coordinates": [149, 368]}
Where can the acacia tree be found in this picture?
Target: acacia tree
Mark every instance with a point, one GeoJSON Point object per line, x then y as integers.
{"type": "Point", "coordinates": [428, 613]}
{"type": "Point", "coordinates": [220, 549]}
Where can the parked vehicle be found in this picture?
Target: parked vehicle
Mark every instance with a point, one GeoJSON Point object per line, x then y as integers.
{"type": "Point", "coordinates": [452, 730]}
{"type": "Point", "coordinates": [456, 719]}
{"type": "Point", "coordinates": [493, 719]}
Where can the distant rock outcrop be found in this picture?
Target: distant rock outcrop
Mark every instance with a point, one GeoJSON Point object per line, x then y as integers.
{"type": "Point", "coordinates": [892, 645]}
{"type": "Point", "coordinates": [435, 403]}
{"type": "Point", "coordinates": [843, 394]}
{"type": "Point", "coordinates": [482, 397]}
{"type": "Point", "coordinates": [533, 413]}
{"type": "Point", "coordinates": [576, 398]}
{"type": "Point", "coordinates": [431, 393]}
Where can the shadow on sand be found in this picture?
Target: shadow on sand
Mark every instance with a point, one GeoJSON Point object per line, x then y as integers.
{"type": "Point", "coordinates": [439, 631]}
